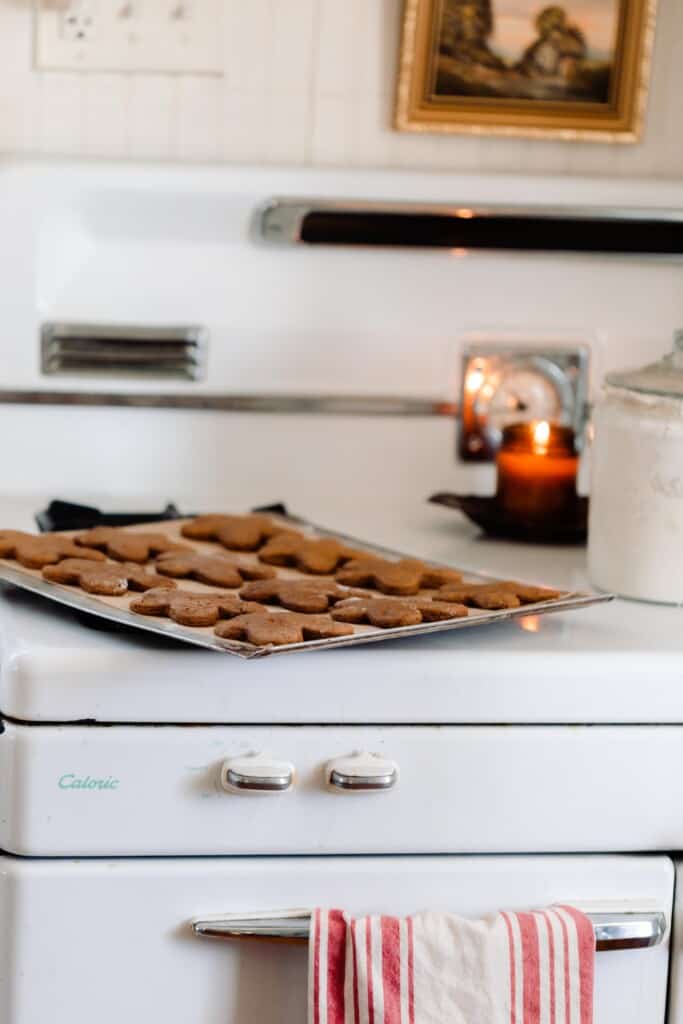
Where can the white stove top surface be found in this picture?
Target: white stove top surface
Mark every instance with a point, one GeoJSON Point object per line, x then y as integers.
{"type": "Point", "coordinates": [618, 662]}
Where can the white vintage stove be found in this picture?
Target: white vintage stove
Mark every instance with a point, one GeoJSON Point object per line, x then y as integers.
{"type": "Point", "coordinates": [158, 804]}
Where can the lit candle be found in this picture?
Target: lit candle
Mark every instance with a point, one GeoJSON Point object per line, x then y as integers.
{"type": "Point", "coordinates": [537, 467]}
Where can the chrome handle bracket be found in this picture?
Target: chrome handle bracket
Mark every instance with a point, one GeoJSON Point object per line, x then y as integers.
{"type": "Point", "coordinates": [363, 783]}
{"type": "Point", "coordinates": [256, 773]}
{"type": "Point", "coordinates": [361, 772]}
{"type": "Point", "coordinates": [257, 783]}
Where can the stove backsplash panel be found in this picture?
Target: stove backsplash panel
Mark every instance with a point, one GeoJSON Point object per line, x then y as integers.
{"type": "Point", "coordinates": [152, 246]}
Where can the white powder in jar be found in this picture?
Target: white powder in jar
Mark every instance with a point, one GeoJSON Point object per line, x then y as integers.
{"type": "Point", "coordinates": [635, 541]}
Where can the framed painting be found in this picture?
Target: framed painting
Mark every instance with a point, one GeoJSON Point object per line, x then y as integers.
{"type": "Point", "coordinates": [575, 70]}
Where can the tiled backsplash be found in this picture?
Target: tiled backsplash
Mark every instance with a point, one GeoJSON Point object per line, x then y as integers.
{"type": "Point", "coordinates": [306, 82]}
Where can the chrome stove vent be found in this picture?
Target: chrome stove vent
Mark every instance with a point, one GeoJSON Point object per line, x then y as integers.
{"type": "Point", "coordinates": [123, 350]}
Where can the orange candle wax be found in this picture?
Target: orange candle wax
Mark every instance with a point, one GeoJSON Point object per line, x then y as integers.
{"type": "Point", "coordinates": [537, 467]}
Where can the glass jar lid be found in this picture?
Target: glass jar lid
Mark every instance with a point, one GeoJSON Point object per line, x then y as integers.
{"type": "Point", "coordinates": [663, 379]}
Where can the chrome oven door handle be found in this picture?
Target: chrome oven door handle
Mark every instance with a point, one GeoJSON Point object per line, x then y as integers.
{"type": "Point", "coordinates": [613, 931]}
{"type": "Point", "coordinates": [280, 925]}
{"type": "Point", "coordinates": [628, 930]}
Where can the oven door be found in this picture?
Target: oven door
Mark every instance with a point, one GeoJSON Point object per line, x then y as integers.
{"type": "Point", "coordinates": [113, 940]}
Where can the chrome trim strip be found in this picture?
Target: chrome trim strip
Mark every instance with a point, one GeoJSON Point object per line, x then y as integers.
{"type": "Point", "coordinates": [613, 931]}
{"type": "Point", "coordinates": [318, 405]}
{"type": "Point", "coordinates": [301, 205]}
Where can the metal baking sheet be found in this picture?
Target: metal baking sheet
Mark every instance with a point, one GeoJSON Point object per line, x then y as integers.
{"type": "Point", "coordinates": [115, 609]}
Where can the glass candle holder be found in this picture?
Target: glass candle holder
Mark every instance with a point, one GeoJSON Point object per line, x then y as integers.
{"type": "Point", "coordinates": [537, 468]}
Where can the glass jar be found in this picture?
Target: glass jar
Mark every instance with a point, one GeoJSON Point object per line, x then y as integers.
{"type": "Point", "coordinates": [635, 531]}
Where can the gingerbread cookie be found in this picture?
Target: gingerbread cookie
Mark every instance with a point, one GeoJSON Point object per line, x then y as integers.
{"type": "Point", "coordinates": [126, 546]}
{"type": "Point", "coordinates": [107, 579]}
{"type": "Point", "coordinates": [403, 578]}
{"type": "Point", "coordinates": [495, 596]}
{"type": "Point", "coordinates": [212, 569]}
{"type": "Point", "coordinates": [319, 556]}
{"type": "Point", "coordinates": [388, 612]}
{"type": "Point", "coordinates": [189, 608]}
{"type": "Point", "coordinates": [237, 533]}
{"type": "Point", "coordinates": [273, 628]}
{"type": "Point", "coordinates": [34, 552]}
{"type": "Point", "coordinates": [298, 595]}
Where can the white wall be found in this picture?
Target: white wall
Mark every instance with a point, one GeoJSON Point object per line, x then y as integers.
{"type": "Point", "coordinates": [306, 82]}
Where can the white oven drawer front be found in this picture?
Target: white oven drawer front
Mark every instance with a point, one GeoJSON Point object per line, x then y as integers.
{"type": "Point", "coordinates": [111, 940]}
{"type": "Point", "coordinates": [126, 790]}
{"type": "Point", "coordinates": [675, 1014]}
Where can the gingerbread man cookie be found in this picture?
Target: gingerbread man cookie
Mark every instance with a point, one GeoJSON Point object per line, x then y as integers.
{"type": "Point", "coordinates": [237, 533]}
{"type": "Point", "coordinates": [212, 569]}
{"type": "Point", "coordinates": [319, 556]}
{"type": "Point", "coordinates": [34, 552]}
{"type": "Point", "coordinates": [495, 596]}
{"type": "Point", "coordinates": [266, 628]}
{"type": "Point", "coordinates": [107, 579]}
{"type": "Point", "coordinates": [298, 595]}
{"type": "Point", "coordinates": [189, 608]}
{"type": "Point", "coordinates": [127, 546]}
{"type": "Point", "coordinates": [403, 578]}
{"type": "Point", "coordinates": [388, 612]}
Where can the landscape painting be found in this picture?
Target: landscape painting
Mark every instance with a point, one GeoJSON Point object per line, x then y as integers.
{"type": "Point", "coordinates": [571, 68]}
{"type": "Point", "coordinates": [511, 49]}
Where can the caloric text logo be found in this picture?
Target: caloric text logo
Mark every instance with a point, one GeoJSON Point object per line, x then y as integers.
{"type": "Point", "coordinates": [71, 781]}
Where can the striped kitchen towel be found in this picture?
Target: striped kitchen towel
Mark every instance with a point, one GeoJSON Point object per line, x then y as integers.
{"type": "Point", "coordinates": [434, 968]}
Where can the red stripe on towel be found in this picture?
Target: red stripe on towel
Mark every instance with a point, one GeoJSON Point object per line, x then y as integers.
{"type": "Point", "coordinates": [391, 968]}
{"type": "Point", "coordinates": [336, 966]}
{"type": "Point", "coordinates": [567, 983]}
{"type": "Point", "coordinates": [531, 995]}
{"type": "Point", "coordinates": [551, 964]}
{"type": "Point", "coordinates": [316, 970]}
{"type": "Point", "coordinates": [368, 967]}
{"type": "Point", "coordinates": [511, 952]}
{"type": "Point", "coordinates": [356, 1003]}
{"type": "Point", "coordinates": [411, 973]}
{"type": "Point", "coordinates": [586, 943]}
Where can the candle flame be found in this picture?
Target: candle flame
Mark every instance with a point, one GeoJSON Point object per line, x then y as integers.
{"type": "Point", "coordinates": [530, 623]}
{"type": "Point", "coordinates": [464, 213]}
{"type": "Point", "coordinates": [541, 436]}
{"type": "Point", "coordinates": [473, 381]}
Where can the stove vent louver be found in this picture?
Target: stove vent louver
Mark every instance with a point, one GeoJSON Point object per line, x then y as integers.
{"type": "Point", "coordinates": [122, 350]}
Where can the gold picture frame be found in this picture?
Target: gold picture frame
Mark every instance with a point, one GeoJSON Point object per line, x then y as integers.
{"type": "Point", "coordinates": [559, 86]}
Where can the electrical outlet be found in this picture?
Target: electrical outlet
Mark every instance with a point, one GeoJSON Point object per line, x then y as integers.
{"type": "Point", "coordinates": [78, 22]}
{"type": "Point", "coordinates": [169, 36]}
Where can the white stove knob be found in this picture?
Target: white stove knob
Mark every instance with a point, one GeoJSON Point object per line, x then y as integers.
{"type": "Point", "coordinates": [256, 773]}
{"type": "Point", "coordinates": [361, 773]}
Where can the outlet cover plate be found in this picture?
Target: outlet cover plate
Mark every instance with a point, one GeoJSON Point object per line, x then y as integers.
{"type": "Point", "coordinates": [504, 382]}
{"type": "Point", "coordinates": [162, 36]}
